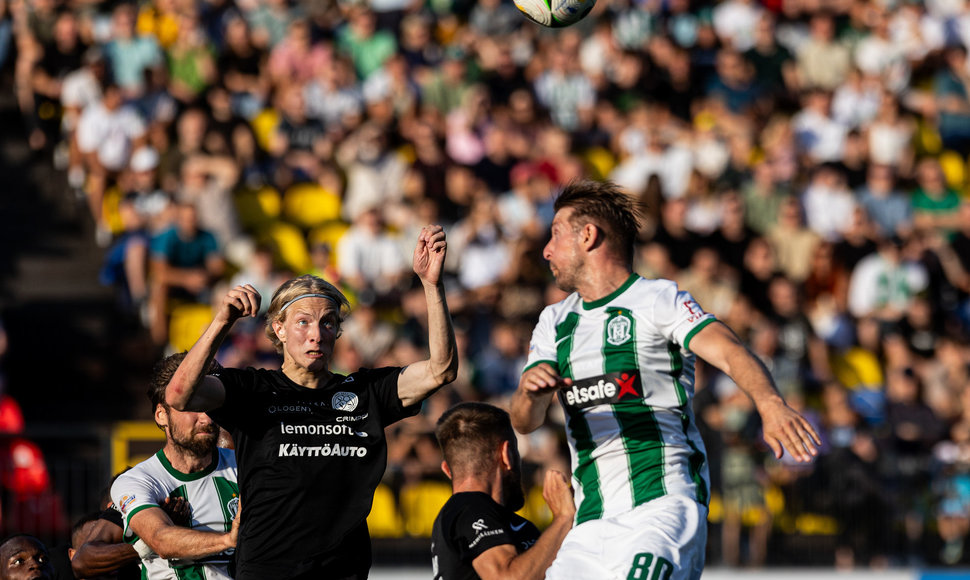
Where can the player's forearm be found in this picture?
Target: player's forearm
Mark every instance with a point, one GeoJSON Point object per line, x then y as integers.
{"type": "Point", "coordinates": [528, 410]}
{"type": "Point", "coordinates": [100, 558]}
{"type": "Point", "coordinates": [182, 393]}
{"type": "Point", "coordinates": [443, 362]}
{"type": "Point", "coordinates": [751, 376]}
{"type": "Point", "coordinates": [533, 563]}
{"type": "Point", "coordinates": [185, 543]}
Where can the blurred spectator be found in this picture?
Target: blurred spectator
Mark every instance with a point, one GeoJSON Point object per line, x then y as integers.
{"type": "Point", "coordinates": [792, 241]}
{"type": "Point", "coordinates": [823, 61]}
{"type": "Point", "coordinates": [883, 284]}
{"type": "Point", "coordinates": [886, 205]}
{"type": "Point", "coordinates": [935, 204]}
{"type": "Point", "coordinates": [130, 53]}
{"type": "Point", "coordinates": [368, 258]}
{"type": "Point", "coordinates": [185, 262]}
{"type": "Point", "coordinates": [366, 46]}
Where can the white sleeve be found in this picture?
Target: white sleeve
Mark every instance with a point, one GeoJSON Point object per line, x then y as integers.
{"type": "Point", "coordinates": [134, 124]}
{"type": "Point", "coordinates": [131, 494]}
{"type": "Point", "coordinates": [542, 347]}
{"type": "Point", "coordinates": [677, 316]}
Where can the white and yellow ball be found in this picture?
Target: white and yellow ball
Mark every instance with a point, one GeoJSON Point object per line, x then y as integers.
{"type": "Point", "coordinates": [555, 13]}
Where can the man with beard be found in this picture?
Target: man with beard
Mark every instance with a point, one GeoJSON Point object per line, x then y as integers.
{"type": "Point", "coordinates": [190, 466]}
{"type": "Point", "coordinates": [618, 352]}
{"type": "Point", "coordinates": [477, 533]}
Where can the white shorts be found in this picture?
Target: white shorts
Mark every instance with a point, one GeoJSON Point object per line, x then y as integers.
{"type": "Point", "coordinates": [663, 539]}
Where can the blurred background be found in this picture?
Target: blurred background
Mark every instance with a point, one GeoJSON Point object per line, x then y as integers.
{"type": "Point", "coordinates": [803, 165]}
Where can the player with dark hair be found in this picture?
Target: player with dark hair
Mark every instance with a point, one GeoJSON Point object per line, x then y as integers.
{"type": "Point", "coordinates": [310, 442]}
{"type": "Point", "coordinates": [189, 466]}
{"type": "Point", "coordinates": [619, 354]}
{"type": "Point", "coordinates": [24, 557]}
{"type": "Point", "coordinates": [477, 533]}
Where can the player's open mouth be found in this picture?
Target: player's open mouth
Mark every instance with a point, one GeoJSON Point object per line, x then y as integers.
{"type": "Point", "coordinates": [314, 354]}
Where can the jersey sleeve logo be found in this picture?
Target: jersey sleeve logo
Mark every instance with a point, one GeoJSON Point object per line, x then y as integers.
{"type": "Point", "coordinates": [479, 525]}
{"type": "Point", "coordinates": [618, 330]}
{"type": "Point", "coordinates": [126, 501]}
{"type": "Point", "coordinates": [694, 310]}
{"type": "Point", "coordinates": [344, 401]}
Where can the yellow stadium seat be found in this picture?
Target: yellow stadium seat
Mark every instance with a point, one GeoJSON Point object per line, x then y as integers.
{"type": "Point", "coordinates": [329, 234]}
{"type": "Point", "coordinates": [309, 205]}
{"type": "Point", "coordinates": [384, 520]}
{"type": "Point", "coordinates": [263, 125]}
{"type": "Point", "coordinates": [186, 324]}
{"type": "Point", "coordinates": [420, 504]}
{"type": "Point", "coordinates": [954, 168]}
{"type": "Point", "coordinates": [109, 210]}
{"type": "Point", "coordinates": [858, 368]}
{"type": "Point", "coordinates": [289, 246]}
{"type": "Point", "coordinates": [600, 162]}
{"type": "Point", "coordinates": [928, 141]}
{"type": "Point", "coordinates": [257, 208]}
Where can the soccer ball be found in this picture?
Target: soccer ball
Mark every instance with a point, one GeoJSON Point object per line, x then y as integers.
{"type": "Point", "coordinates": [555, 13]}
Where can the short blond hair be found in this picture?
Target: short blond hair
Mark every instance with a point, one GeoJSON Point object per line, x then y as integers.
{"type": "Point", "coordinates": [295, 287]}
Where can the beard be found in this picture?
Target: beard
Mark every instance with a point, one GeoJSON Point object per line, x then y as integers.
{"type": "Point", "coordinates": [512, 494]}
{"type": "Point", "coordinates": [197, 443]}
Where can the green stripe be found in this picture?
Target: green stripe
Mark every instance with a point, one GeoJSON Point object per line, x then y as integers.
{"type": "Point", "coordinates": [695, 462]}
{"type": "Point", "coordinates": [696, 329]}
{"type": "Point", "coordinates": [677, 369]}
{"type": "Point", "coordinates": [586, 472]}
{"type": "Point", "coordinates": [193, 572]}
{"type": "Point", "coordinates": [134, 537]}
{"type": "Point", "coordinates": [144, 570]}
{"type": "Point", "coordinates": [644, 447]}
{"type": "Point", "coordinates": [227, 491]}
{"type": "Point", "coordinates": [564, 344]}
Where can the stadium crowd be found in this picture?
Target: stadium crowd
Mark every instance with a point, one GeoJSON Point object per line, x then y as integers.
{"type": "Point", "coordinates": [803, 165]}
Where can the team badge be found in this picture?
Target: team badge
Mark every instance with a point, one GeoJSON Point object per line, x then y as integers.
{"type": "Point", "coordinates": [618, 330]}
{"type": "Point", "coordinates": [344, 401]}
{"type": "Point", "coordinates": [233, 507]}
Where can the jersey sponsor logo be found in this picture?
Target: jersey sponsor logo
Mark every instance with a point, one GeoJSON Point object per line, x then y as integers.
{"type": "Point", "coordinates": [518, 527]}
{"type": "Point", "coordinates": [289, 409]}
{"type": "Point", "coordinates": [342, 419]}
{"type": "Point", "coordinates": [126, 501]}
{"type": "Point", "coordinates": [482, 535]}
{"type": "Point", "coordinates": [319, 430]}
{"type": "Point", "coordinates": [344, 401]}
{"type": "Point", "coordinates": [603, 389]}
{"type": "Point", "coordinates": [349, 379]}
{"type": "Point", "coordinates": [618, 330]}
{"type": "Point", "coordinates": [479, 525]}
{"type": "Point", "coordinates": [335, 450]}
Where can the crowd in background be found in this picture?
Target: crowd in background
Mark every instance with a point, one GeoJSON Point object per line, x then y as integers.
{"type": "Point", "coordinates": [803, 165]}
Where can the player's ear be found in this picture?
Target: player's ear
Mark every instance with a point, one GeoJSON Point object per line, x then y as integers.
{"type": "Point", "coordinates": [589, 236]}
{"type": "Point", "coordinates": [280, 330]}
{"type": "Point", "coordinates": [446, 469]}
{"type": "Point", "coordinates": [506, 455]}
{"type": "Point", "coordinates": [161, 417]}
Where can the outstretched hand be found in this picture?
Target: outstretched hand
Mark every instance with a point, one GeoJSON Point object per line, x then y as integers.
{"type": "Point", "coordinates": [558, 494]}
{"type": "Point", "coordinates": [429, 254]}
{"type": "Point", "coordinates": [785, 427]}
{"type": "Point", "coordinates": [241, 301]}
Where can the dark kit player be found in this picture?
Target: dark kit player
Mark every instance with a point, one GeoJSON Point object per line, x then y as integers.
{"type": "Point", "coordinates": [309, 443]}
{"type": "Point", "coordinates": [477, 534]}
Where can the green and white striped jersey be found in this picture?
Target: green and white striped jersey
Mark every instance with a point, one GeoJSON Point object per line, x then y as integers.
{"type": "Point", "coordinates": [213, 498]}
{"type": "Point", "coordinates": [632, 434]}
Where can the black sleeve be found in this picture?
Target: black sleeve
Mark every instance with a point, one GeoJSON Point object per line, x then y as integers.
{"type": "Point", "coordinates": [479, 526]}
{"type": "Point", "coordinates": [112, 515]}
{"type": "Point", "coordinates": [383, 385]}
{"type": "Point", "coordinates": [240, 385]}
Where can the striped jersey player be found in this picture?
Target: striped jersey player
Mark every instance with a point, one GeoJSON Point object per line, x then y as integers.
{"type": "Point", "coordinates": [213, 498]}
{"type": "Point", "coordinates": [618, 353]}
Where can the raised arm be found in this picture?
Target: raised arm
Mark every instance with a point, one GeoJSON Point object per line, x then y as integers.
{"type": "Point", "coordinates": [782, 425]}
{"type": "Point", "coordinates": [418, 381]}
{"type": "Point", "coordinates": [171, 541]}
{"type": "Point", "coordinates": [191, 389]}
{"type": "Point", "coordinates": [530, 402]}
{"type": "Point", "coordinates": [102, 552]}
{"type": "Point", "coordinates": [504, 563]}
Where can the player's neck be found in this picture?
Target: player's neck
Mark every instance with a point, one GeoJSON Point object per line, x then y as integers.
{"type": "Point", "coordinates": [601, 279]}
{"type": "Point", "coordinates": [491, 487]}
{"type": "Point", "coordinates": [305, 377]}
{"type": "Point", "coordinates": [185, 461]}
